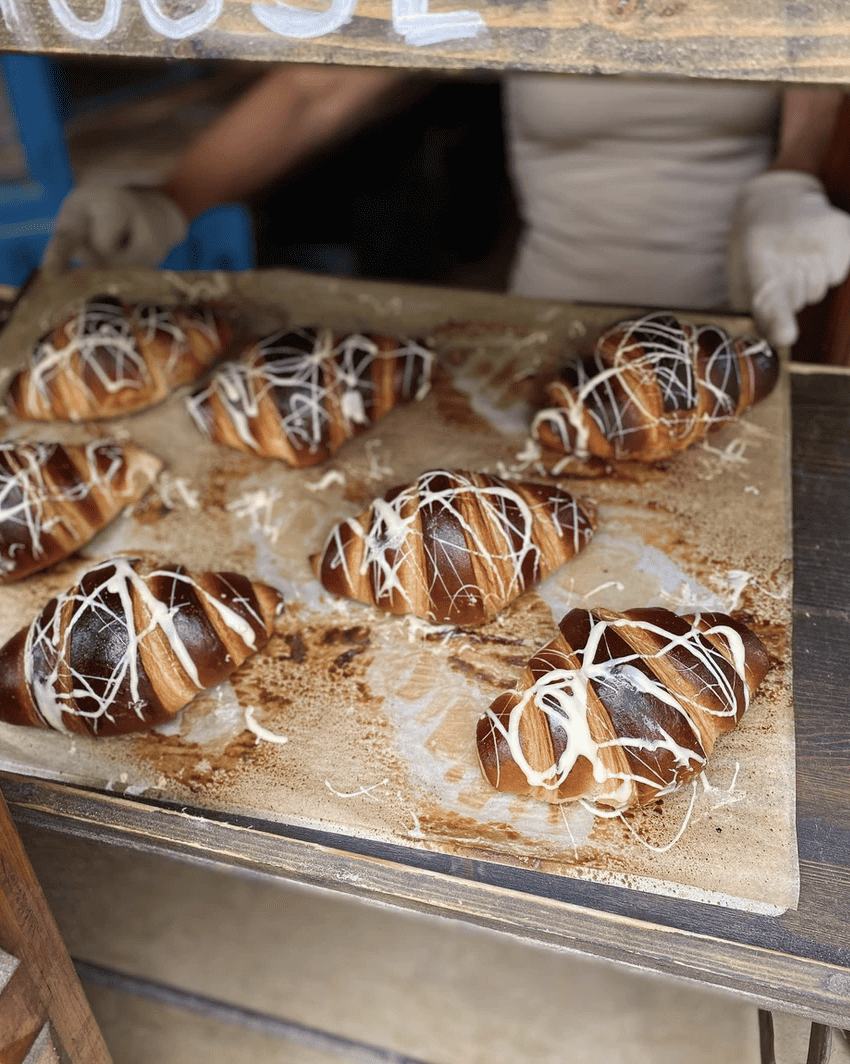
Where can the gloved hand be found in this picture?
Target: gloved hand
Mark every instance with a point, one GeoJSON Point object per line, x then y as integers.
{"type": "Point", "coordinates": [114, 227]}
{"type": "Point", "coordinates": [788, 245]}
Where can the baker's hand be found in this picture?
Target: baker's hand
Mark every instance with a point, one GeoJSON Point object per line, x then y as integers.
{"type": "Point", "coordinates": [787, 247]}
{"type": "Point", "coordinates": [114, 228]}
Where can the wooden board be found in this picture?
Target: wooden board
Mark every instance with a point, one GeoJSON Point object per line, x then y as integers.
{"type": "Point", "coordinates": [380, 714]}
{"type": "Point", "coordinates": [767, 40]}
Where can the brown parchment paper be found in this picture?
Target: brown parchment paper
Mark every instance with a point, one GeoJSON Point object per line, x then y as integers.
{"type": "Point", "coordinates": [366, 721]}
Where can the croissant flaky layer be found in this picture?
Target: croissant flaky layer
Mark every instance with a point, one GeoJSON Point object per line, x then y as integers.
{"type": "Point", "coordinates": [54, 497]}
{"type": "Point", "coordinates": [454, 547]}
{"type": "Point", "coordinates": [112, 358]}
{"type": "Point", "coordinates": [129, 645]}
{"type": "Point", "coordinates": [653, 387]}
{"type": "Point", "coordinates": [300, 394]}
{"type": "Point", "coordinates": [621, 708]}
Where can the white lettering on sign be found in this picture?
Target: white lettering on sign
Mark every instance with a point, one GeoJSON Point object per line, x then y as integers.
{"type": "Point", "coordinates": [20, 25]}
{"type": "Point", "coordinates": [178, 28]}
{"type": "Point", "coordinates": [411, 19]}
{"type": "Point", "coordinates": [418, 26]}
{"type": "Point", "coordinates": [291, 21]}
{"type": "Point", "coordinates": [89, 30]}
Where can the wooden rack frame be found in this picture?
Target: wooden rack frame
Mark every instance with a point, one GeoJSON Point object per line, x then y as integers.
{"type": "Point", "coordinates": [763, 40]}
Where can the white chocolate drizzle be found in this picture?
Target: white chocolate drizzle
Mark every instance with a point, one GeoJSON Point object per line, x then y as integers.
{"type": "Point", "coordinates": [333, 476]}
{"type": "Point", "coordinates": [312, 378]}
{"type": "Point", "coordinates": [655, 353]}
{"type": "Point", "coordinates": [258, 507]}
{"type": "Point", "coordinates": [377, 469]}
{"type": "Point", "coordinates": [32, 505]}
{"type": "Point", "coordinates": [361, 792]}
{"type": "Point", "coordinates": [213, 286]}
{"type": "Point", "coordinates": [103, 341]}
{"type": "Point", "coordinates": [262, 733]}
{"type": "Point", "coordinates": [58, 689]}
{"type": "Point", "coordinates": [489, 523]}
{"type": "Point", "coordinates": [562, 696]}
{"type": "Point", "coordinates": [171, 488]}
{"type": "Point", "coordinates": [665, 847]}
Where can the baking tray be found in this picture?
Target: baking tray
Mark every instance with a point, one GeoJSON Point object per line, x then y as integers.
{"type": "Point", "coordinates": [379, 712]}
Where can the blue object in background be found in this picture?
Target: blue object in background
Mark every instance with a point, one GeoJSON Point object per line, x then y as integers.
{"type": "Point", "coordinates": [28, 205]}
{"type": "Point", "coordinates": [220, 239]}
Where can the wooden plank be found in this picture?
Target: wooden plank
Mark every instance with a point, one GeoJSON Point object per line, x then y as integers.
{"type": "Point", "coordinates": [821, 490]}
{"type": "Point", "coordinates": [742, 39]}
{"type": "Point", "coordinates": [738, 953]}
{"type": "Point", "coordinates": [45, 985]}
{"type": "Point", "coordinates": [22, 1015]}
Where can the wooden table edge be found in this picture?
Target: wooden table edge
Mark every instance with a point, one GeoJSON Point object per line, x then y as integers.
{"type": "Point", "coordinates": [767, 978]}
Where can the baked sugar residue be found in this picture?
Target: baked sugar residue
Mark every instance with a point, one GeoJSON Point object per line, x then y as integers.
{"type": "Point", "coordinates": [195, 766]}
{"type": "Point", "coordinates": [455, 408]}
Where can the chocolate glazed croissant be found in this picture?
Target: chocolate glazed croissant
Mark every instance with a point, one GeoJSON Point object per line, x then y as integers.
{"type": "Point", "coordinates": [621, 708]}
{"type": "Point", "coordinates": [112, 358]}
{"type": "Point", "coordinates": [55, 497]}
{"type": "Point", "coordinates": [299, 395]}
{"type": "Point", "coordinates": [652, 388]}
{"type": "Point", "coordinates": [127, 647]}
{"type": "Point", "coordinates": [453, 547]}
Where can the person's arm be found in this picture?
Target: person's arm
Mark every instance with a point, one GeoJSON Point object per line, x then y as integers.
{"type": "Point", "coordinates": [807, 125]}
{"type": "Point", "coordinates": [788, 245]}
{"type": "Point", "coordinates": [289, 113]}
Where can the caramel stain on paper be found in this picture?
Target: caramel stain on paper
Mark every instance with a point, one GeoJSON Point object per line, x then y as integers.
{"type": "Point", "coordinates": [231, 469]}
{"type": "Point", "coordinates": [150, 509]}
{"type": "Point", "coordinates": [491, 656]}
{"type": "Point", "coordinates": [455, 408]}
{"type": "Point", "coordinates": [453, 738]}
{"type": "Point", "coordinates": [302, 677]}
{"type": "Point", "coordinates": [316, 684]}
{"type": "Point", "coordinates": [436, 822]}
{"type": "Point", "coordinates": [474, 671]}
{"type": "Point", "coordinates": [193, 765]}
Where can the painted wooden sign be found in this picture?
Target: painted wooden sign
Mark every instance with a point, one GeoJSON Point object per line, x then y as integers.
{"type": "Point", "coordinates": [748, 39]}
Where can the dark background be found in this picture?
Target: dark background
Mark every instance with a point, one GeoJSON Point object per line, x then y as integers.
{"type": "Point", "coordinates": [418, 193]}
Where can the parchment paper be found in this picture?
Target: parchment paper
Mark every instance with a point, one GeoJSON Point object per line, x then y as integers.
{"type": "Point", "coordinates": [379, 712]}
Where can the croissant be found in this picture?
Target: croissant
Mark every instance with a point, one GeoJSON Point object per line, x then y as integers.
{"type": "Point", "coordinates": [652, 387]}
{"type": "Point", "coordinates": [620, 708]}
{"type": "Point", "coordinates": [299, 395]}
{"type": "Point", "coordinates": [55, 497]}
{"type": "Point", "coordinates": [128, 646]}
{"type": "Point", "coordinates": [453, 547]}
{"type": "Point", "coordinates": [112, 358]}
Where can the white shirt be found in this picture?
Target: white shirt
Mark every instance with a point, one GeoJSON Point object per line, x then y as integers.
{"type": "Point", "coordinates": [627, 186]}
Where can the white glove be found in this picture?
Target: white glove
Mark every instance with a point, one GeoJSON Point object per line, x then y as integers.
{"type": "Point", "coordinates": [114, 228]}
{"type": "Point", "coordinates": [788, 245]}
